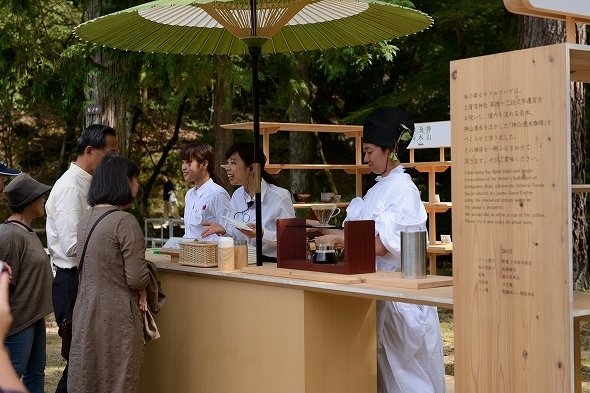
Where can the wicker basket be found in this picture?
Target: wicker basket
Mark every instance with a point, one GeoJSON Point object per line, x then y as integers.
{"type": "Point", "coordinates": [198, 253]}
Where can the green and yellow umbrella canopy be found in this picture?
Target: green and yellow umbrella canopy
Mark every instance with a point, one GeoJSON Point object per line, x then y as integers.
{"type": "Point", "coordinates": [194, 27]}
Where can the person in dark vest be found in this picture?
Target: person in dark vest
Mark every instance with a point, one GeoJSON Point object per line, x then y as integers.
{"type": "Point", "coordinates": [169, 197]}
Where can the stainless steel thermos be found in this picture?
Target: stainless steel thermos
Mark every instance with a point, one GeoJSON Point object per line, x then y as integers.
{"type": "Point", "coordinates": [413, 253]}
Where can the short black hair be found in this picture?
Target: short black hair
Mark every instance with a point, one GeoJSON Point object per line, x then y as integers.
{"type": "Point", "coordinates": [246, 153]}
{"type": "Point", "coordinates": [110, 182]}
{"type": "Point", "coordinates": [94, 136]}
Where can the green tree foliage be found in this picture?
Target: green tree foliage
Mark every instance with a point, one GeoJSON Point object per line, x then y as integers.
{"type": "Point", "coordinates": [40, 83]}
{"type": "Point", "coordinates": [44, 71]}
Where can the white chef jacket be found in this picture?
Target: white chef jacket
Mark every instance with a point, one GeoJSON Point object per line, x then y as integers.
{"type": "Point", "coordinates": [64, 207]}
{"type": "Point", "coordinates": [276, 203]}
{"type": "Point", "coordinates": [409, 344]}
{"type": "Point", "coordinates": [207, 203]}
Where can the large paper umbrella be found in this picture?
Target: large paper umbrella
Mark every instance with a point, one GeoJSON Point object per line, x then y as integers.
{"type": "Point", "coordinates": [200, 27]}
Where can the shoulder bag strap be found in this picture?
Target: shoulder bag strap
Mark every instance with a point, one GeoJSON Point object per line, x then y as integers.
{"type": "Point", "coordinates": [88, 238]}
{"type": "Point", "coordinates": [75, 295]}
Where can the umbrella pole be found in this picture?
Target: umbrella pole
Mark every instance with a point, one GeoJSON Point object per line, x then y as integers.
{"type": "Point", "coordinates": [254, 56]}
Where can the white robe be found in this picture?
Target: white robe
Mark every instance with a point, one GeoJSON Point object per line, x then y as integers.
{"type": "Point", "coordinates": [209, 202]}
{"type": "Point", "coordinates": [409, 344]}
{"type": "Point", "coordinates": [276, 203]}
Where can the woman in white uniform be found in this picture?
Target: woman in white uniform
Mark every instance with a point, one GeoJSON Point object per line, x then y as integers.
{"type": "Point", "coordinates": [276, 201]}
{"type": "Point", "coordinates": [207, 200]}
{"type": "Point", "coordinates": [409, 344]}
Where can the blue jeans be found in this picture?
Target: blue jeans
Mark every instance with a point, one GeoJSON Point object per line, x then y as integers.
{"type": "Point", "coordinates": [27, 352]}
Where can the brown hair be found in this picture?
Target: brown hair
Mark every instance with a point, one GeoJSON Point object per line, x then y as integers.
{"type": "Point", "coordinates": [201, 152]}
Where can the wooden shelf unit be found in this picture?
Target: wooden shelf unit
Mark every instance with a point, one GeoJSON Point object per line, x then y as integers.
{"type": "Point", "coordinates": [433, 206]}
{"type": "Point", "coordinates": [350, 131]}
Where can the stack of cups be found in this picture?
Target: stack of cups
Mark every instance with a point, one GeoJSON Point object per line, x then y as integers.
{"type": "Point", "coordinates": [225, 254]}
{"type": "Point", "coordinates": [240, 254]}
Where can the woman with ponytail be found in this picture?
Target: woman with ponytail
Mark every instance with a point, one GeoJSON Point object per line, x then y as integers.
{"type": "Point", "coordinates": [207, 200]}
{"type": "Point", "coordinates": [276, 201]}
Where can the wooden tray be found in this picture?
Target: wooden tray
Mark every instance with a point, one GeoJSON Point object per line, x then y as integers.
{"type": "Point", "coordinates": [272, 270]}
{"type": "Point", "coordinates": [385, 279]}
{"type": "Point", "coordinates": [395, 280]}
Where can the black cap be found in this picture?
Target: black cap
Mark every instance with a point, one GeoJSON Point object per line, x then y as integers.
{"type": "Point", "coordinates": [383, 127]}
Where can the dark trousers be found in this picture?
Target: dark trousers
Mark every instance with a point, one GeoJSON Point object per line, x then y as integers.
{"type": "Point", "coordinates": [63, 290]}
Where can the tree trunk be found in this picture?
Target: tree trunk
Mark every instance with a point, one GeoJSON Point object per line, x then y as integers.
{"type": "Point", "coordinates": [537, 32]}
{"type": "Point", "coordinates": [113, 105]}
{"type": "Point", "coordinates": [301, 143]}
{"type": "Point", "coordinates": [222, 111]}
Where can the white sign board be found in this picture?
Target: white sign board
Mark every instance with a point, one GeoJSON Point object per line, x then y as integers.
{"type": "Point", "coordinates": [569, 7]}
{"type": "Point", "coordinates": [431, 135]}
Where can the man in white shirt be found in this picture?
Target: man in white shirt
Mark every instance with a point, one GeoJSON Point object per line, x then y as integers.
{"type": "Point", "coordinates": [65, 205]}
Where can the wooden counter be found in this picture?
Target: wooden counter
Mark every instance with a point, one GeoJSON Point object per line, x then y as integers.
{"type": "Point", "coordinates": [234, 332]}
{"type": "Point", "coordinates": [242, 332]}
{"type": "Point", "coordinates": [440, 297]}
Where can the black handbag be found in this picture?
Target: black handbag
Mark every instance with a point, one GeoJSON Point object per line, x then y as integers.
{"type": "Point", "coordinates": [65, 326]}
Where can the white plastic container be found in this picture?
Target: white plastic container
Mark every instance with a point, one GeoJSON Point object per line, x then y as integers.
{"type": "Point", "coordinates": [225, 254]}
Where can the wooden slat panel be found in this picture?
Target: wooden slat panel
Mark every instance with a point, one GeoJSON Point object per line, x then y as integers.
{"type": "Point", "coordinates": [512, 222]}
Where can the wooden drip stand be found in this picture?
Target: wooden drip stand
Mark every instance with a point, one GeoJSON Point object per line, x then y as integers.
{"type": "Point", "coordinates": [359, 247]}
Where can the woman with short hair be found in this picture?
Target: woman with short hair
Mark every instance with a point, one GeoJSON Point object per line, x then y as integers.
{"type": "Point", "coordinates": [107, 342]}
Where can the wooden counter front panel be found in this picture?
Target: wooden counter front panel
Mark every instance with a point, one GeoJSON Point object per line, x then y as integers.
{"type": "Point", "coordinates": [225, 336]}
{"type": "Point", "coordinates": [512, 222]}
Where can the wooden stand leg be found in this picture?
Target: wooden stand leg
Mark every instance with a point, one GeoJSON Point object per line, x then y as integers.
{"type": "Point", "coordinates": [432, 262]}
{"type": "Point", "coordinates": [577, 357]}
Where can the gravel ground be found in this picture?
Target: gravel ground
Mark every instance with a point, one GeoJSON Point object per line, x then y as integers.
{"type": "Point", "coordinates": [55, 363]}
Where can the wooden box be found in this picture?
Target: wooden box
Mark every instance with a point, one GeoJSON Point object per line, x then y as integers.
{"type": "Point", "coordinates": [359, 247]}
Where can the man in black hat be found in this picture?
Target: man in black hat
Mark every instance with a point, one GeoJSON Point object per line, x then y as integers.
{"type": "Point", "coordinates": [6, 171]}
{"type": "Point", "coordinates": [409, 344]}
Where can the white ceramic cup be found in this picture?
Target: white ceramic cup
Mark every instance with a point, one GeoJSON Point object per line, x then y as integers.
{"type": "Point", "coordinates": [327, 196]}
{"type": "Point", "coordinates": [445, 239]}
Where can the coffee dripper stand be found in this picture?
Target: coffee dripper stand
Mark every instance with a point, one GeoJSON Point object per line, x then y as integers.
{"type": "Point", "coordinates": [296, 251]}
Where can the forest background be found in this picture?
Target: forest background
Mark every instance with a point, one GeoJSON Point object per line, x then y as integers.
{"type": "Point", "coordinates": [52, 85]}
